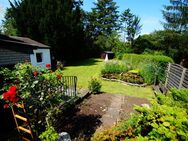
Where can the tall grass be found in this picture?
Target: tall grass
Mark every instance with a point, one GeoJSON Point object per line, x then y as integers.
{"type": "Point", "coordinates": [114, 67]}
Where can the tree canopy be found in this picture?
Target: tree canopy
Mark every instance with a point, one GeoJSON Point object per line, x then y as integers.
{"type": "Point", "coordinates": [176, 15]}
{"type": "Point", "coordinates": [56, 23]}
{"type": "Point", "coordinates": [103, 20]}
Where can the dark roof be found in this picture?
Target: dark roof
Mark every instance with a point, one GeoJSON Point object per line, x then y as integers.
{"type": "Point", "coordinates": [22, 40]}
{"type": "Point", "coordinates": [108, 52]}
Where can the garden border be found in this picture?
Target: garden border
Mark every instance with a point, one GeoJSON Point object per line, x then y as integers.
{"type": "Point", "coordinates": [125, 83]}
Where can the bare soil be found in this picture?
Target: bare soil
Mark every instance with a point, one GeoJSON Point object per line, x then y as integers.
{"type": "Point", "coordinates": [82, 120]}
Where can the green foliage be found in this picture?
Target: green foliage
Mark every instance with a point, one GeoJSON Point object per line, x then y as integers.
{"type": "Point", "coordinates": [56, 23]}
{"type": "Point", "coordinates": [169, 43]}
{"type": "Point", "coordinates": [180, 95]}
{"type": "Point", "coordinates": [103, 20]}
{"type": "Point", "coordinates": [114, 67]}
{"type": "Point", "coordinates": [107, 42]}
{"type": "Point", "coordinates": [165, 119]}
{"type": "Point", "coordinates": [41, 90]}
{"type": "Point", "coordinates": [136, 59]}
{"type": "Point", "coordinates": [176, 15]}
{"type": "Point", "coordinates": [8, 25]}
{"type": "Point", "coordinates": [152, 72]}
{"type": "Point", "coordinates": [152, 67]}
{"type": "Point", "coordinates": [95, 85]}
{"type": "Point", "coordinates": [130, 25]}
{"type": "Point", "coordinates": [49, 135]}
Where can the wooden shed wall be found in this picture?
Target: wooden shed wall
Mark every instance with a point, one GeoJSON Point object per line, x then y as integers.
{"type": "Point", "coordinates": [9, 56]}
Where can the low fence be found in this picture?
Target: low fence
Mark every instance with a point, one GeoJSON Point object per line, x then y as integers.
{"type": "Point", "coordinates": [177, 77]}
{"type": "Point", "coordinates": [70, 85]}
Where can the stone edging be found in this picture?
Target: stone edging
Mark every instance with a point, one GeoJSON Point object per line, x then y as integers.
{"type": "Point", "coordinates": [125, 83]}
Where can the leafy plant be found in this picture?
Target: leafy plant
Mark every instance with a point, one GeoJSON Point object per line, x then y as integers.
{"type": "Point", "coordinates": [152, 72]}
{"type": "Point", "coordinates": [49, 135]}
{"type": "Point", "coordinates": [95, 85]}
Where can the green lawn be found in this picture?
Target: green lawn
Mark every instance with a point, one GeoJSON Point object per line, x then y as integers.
{"type": "Point", "coordinates": [87, 69]}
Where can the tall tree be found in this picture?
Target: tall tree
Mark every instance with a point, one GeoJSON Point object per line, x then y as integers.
{"type": "Point", "coordinates": [130, 25]}
{"type": "Point", "coordinates": [103, 19]}
{"type": "Point", "coordinates": [57, 23]}
{"type": "Point", "coordinates": [176, 15]}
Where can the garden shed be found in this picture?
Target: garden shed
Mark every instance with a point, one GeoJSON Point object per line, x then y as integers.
{"type": "Point", "coordinates": [110, 54]}
{"type": "Point", "coordinates": [15, 50]}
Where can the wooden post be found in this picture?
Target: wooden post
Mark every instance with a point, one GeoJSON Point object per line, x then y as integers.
{"type": "Point", "coordinates": [167, 75]}
{"type": "Point", "coordinates": [182, 78]}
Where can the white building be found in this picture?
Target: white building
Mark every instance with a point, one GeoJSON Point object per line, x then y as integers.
{"type": "Point", "coordinates": [15, 50]}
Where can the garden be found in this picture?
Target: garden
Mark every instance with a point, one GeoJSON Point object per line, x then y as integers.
{"type": "Point", "coordinates": [116, 85]}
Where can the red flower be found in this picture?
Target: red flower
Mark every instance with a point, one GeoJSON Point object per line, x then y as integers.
{"type": "Point", "coordinates": [58, 76]}
{"type": "Point", "coordinates": [11, 95]}
{"type": "Point", "coordinates": [35, 73]}
{"type": "Point", "coordinates": [13, 88]}
{"type": "Point", "coordinates": [48, 65]}
{"type": "Point", "coordinates": [6, 106]}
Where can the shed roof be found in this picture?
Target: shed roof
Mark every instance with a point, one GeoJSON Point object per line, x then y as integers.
{"type": "Point", "coordinates": [22, 40]}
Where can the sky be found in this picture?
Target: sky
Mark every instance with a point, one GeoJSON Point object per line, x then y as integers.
{"type": "Point", "coordinates": [148, 10]}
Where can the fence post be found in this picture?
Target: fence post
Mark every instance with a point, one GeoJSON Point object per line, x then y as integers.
{"type": "Point", "coordinates": [182, 78]}
{"type": "Point", "coordinates": [167, 76]}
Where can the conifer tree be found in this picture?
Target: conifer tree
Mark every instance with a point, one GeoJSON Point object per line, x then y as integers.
{"type": "Point", "coordinates": [176, 15]}
{"type": "Point", "coordinates": [103, 20]}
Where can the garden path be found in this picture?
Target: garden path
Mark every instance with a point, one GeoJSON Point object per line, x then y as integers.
{"type": "Point", "coordinates": [96, 113]}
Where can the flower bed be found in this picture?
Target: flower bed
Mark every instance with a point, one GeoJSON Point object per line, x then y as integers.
{"type": "Point", "coordinates": [137, 69]}
{"type": "Point", "coordinates": [118, 70]}
{"type": "Point", "coordinates": [41, 89]}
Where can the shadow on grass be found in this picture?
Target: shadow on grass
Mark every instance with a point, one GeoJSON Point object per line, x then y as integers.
{"type": "Point", "coordinates": [79, 126]}
{"type": "Point", "coordinates": [86, 62]}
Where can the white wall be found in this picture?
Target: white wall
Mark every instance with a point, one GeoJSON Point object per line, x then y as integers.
{"type": "Point", "coordinates": [46, 59]}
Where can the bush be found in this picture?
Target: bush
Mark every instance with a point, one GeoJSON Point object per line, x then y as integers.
{"type": "Point", "coordinates": [40, 89]}
{"type": "Point", "coordinates": [114, 67]}
{"type": "Point", "coordinates": [95, 85]}
{"type": "Point", "coordinates": [166, 119]}
{"type": "Point", "coordinates": [152, 67]}
{"type": "Point", "coordinates": [136, 59]}
{"type": "Point", "coordinates": [49, 135]}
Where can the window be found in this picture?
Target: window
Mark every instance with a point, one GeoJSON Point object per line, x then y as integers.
{"type": "Point", "coordinates": [39, 57]}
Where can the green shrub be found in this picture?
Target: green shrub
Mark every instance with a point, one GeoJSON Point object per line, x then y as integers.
{"type": "Point", "coordinates": [114, 67]}
{"type": "Point", "coordinates": [177, 97]}
{"type": "Point", "coordinates": [152, 72]}
{"type": "Point", "coordinates": [152, 67]}
{"type": "Point", "coordinates": [136, 59]}
{"type": "Point", "coordinates": [49, 135]}
{"type": "Point", "coordinates": [94, 85]}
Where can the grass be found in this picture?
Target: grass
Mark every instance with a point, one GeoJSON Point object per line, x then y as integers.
{"type": "Point", "coordinates": [87, 69]}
